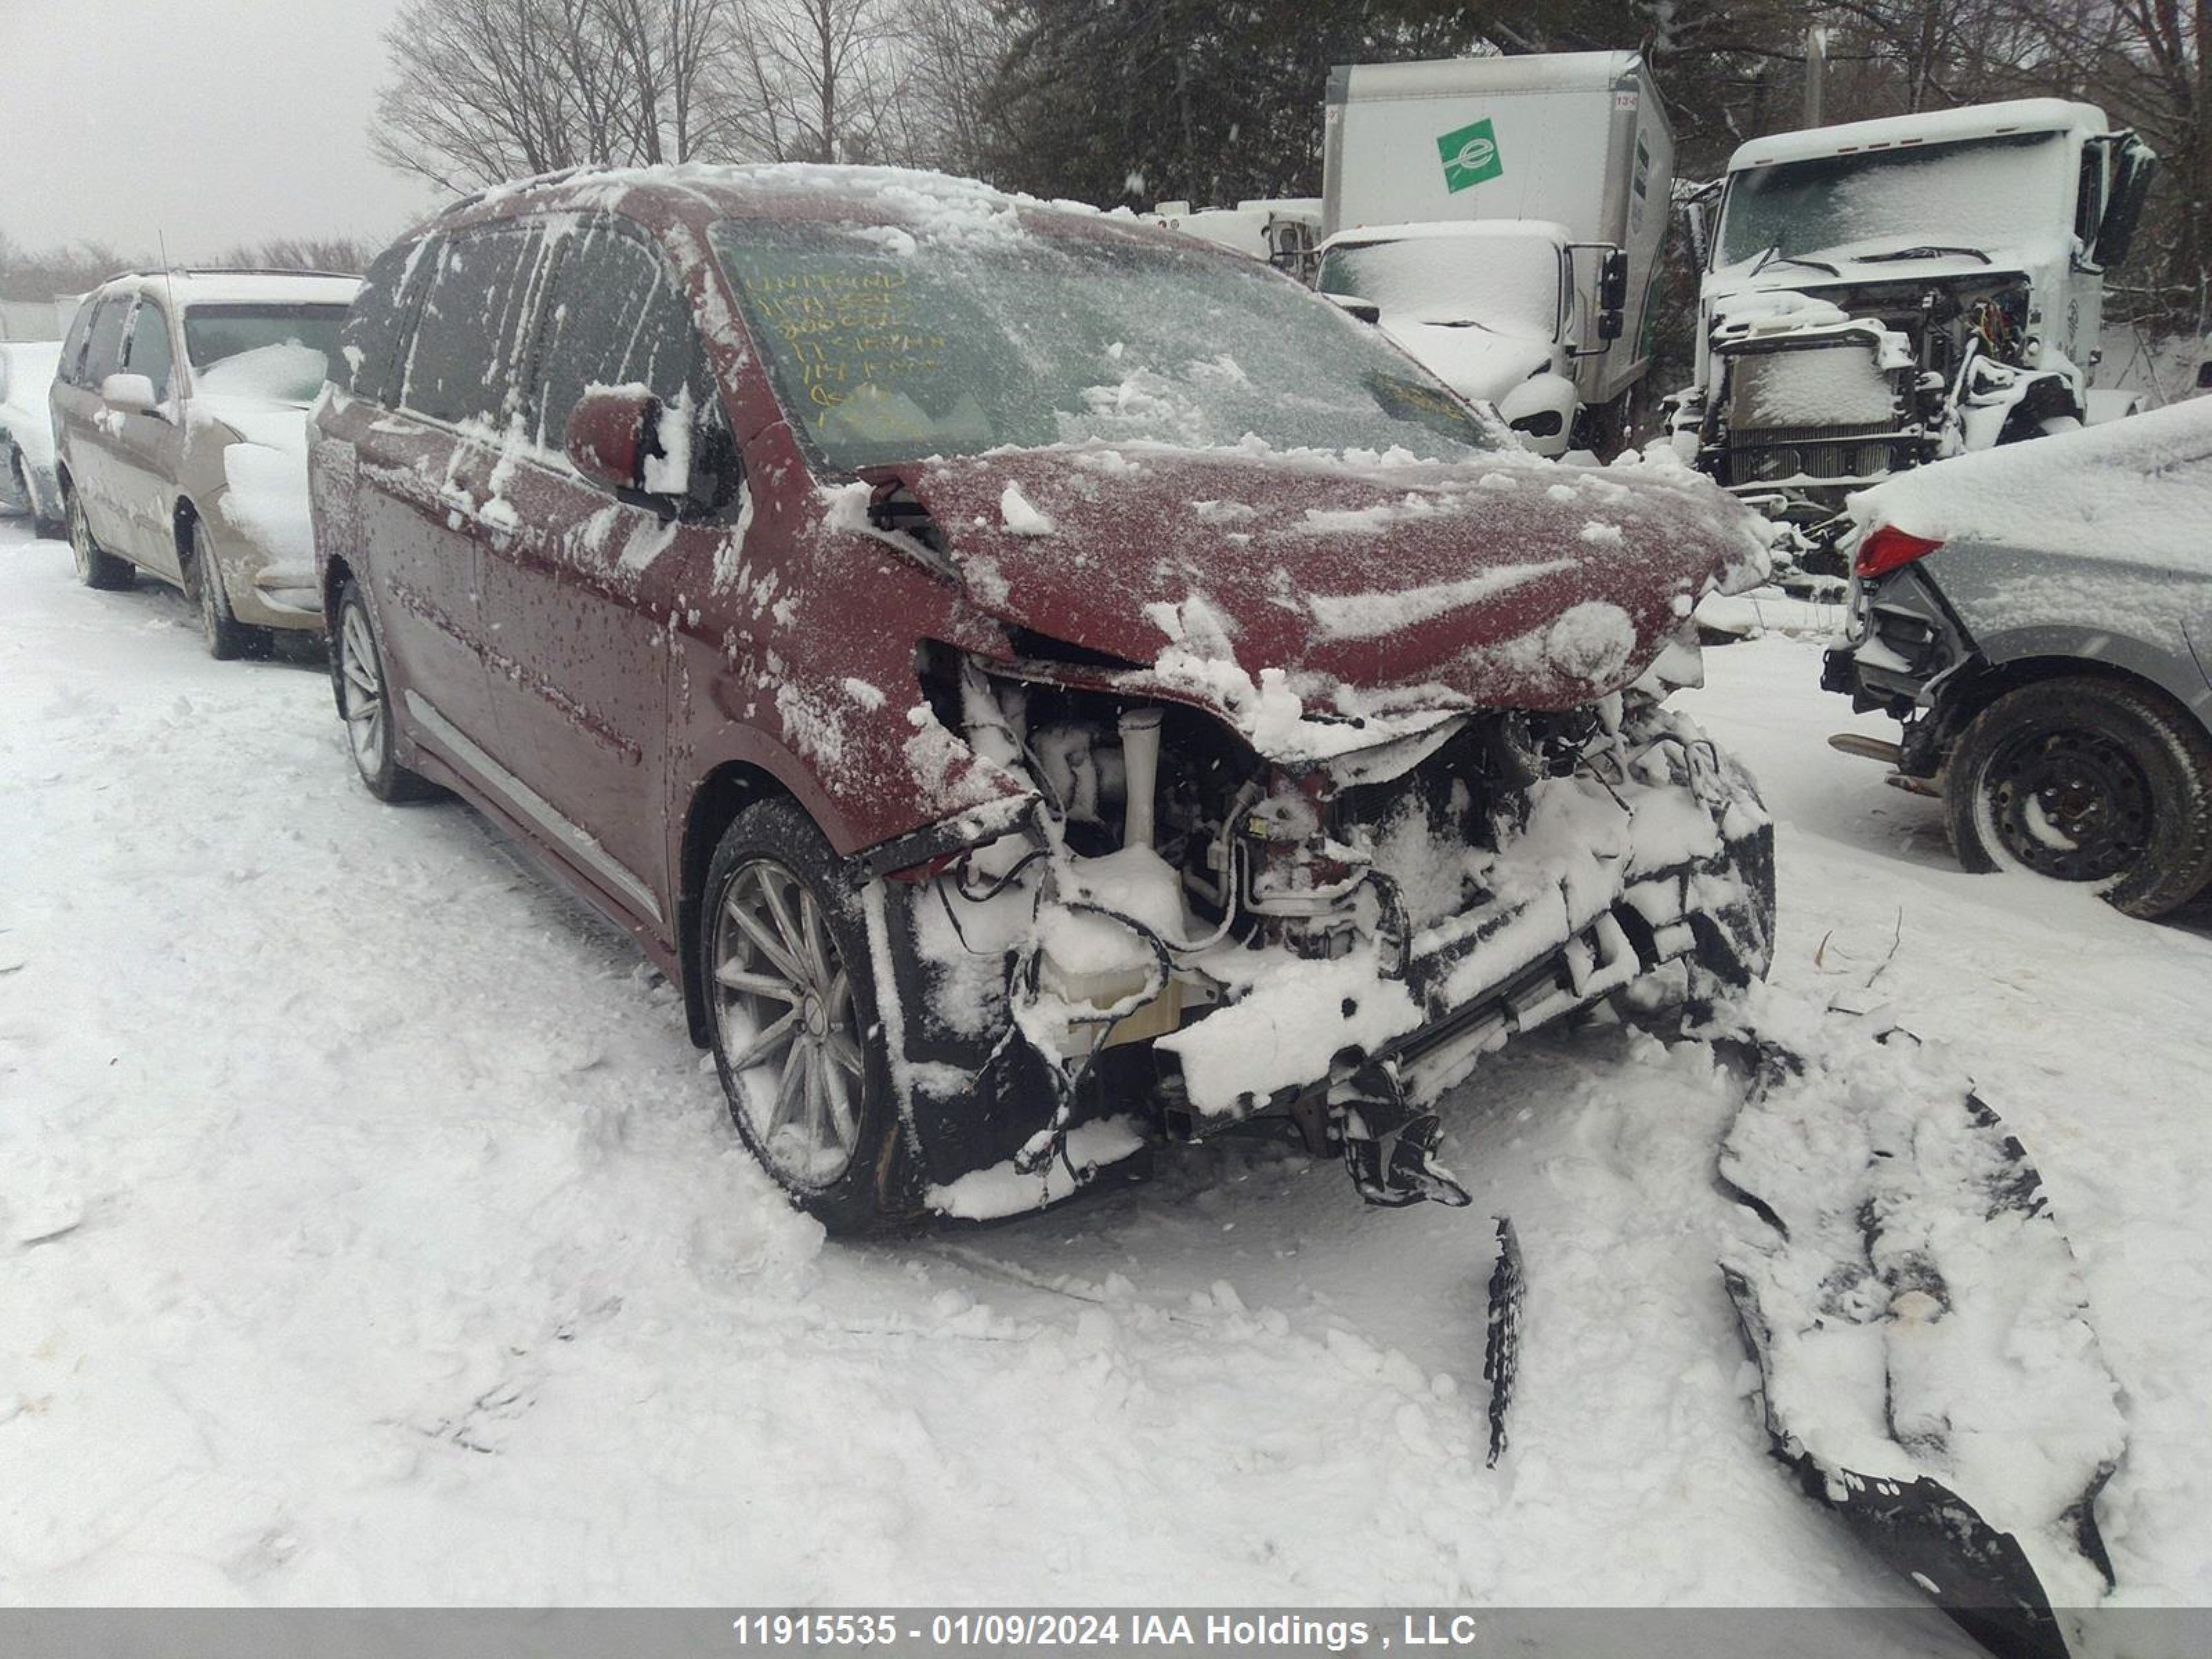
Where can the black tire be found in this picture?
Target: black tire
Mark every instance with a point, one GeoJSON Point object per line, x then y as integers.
{"type": "Point", "coordinates": [358, 676]}
{"type": "Point", "coordinates": [227, 638]}
{"type": "Point", "coordinates": [869, 1191]}
{"type": "Point", "coordinates": [2085, 780]}
{"type": "Point", "coordinates": [96, 566]}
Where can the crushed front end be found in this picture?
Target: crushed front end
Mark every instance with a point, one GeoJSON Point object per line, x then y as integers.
{"type": "Point", "coordinates": [1184, 934]}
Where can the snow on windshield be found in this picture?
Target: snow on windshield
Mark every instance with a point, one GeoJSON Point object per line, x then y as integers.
{"type": "Point", "coordinates": [887, 345]}
{"type": "Point", "coordinates": [1982, 193]}
{"type": "Point", "coordinates": [278, 352]}
{"type": "Point", "coordinates": [1509, 283]}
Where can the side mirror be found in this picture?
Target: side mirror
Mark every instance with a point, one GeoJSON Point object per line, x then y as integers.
{"type": "Point", "coordinates": [2134, 164]}
{"type": "Point", "coordinates": [132, 393]}
{"type": "Point", "coordinates": [1613, 284]}
{"type": "Point", "coordinates": [1367, 310]}
{"type": "Point", "coordinates": [1697, 207]}
{"type": "Point", "coordinates": [611, 431]}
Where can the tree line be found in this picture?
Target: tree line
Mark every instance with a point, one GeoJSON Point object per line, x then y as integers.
{"type": "Point", "coordinates": [1134, 101]}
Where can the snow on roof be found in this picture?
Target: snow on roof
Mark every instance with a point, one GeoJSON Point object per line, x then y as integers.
{"type": "Point", "coordinates": [1941, 126]}
{"type": "Point", "coordinates": [191, 288]}
{"type": "Point", "coordinates": [1545, 71]}
{"type": "Point", "coordinates": [1546, 230]}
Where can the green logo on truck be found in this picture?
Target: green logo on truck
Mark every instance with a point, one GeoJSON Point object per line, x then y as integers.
{"type": "Point", "coordinates": [1470, 155]}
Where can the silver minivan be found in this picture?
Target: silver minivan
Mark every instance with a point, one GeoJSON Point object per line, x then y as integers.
{"type": "Point", "coordinates": [180, 416]}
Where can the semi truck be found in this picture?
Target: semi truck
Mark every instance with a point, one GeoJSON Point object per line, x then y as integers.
{"type": "Point", "coordinates": [1506, 215]}
{"type": "Point", "coordinates": [1882, 293]}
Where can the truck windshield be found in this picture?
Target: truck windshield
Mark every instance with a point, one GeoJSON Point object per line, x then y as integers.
{"type": "Point", "coordinates": [1981, 192]}
{"type": "Point", "coordinates": [889, 346]}
{"type": "Point", "coordinates": [1510, 283]}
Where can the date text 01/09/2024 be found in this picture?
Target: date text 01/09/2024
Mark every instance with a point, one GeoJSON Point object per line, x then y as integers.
{"type": "Point", "coordinates": [1261, 1632]}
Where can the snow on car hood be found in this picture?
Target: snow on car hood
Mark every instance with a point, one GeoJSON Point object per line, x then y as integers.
{"type": "Point", "coordinates": [265, 466]}
{"type": "Point", "coordinates": [1323, 604]}
{"type": "Point", "coordinates": [1478, 363]}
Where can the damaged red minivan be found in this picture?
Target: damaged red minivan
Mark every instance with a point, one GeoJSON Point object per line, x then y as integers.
{"type": "Point", "coordinates": [1040, 684]}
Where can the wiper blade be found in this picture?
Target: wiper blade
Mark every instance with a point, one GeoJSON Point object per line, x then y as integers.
{"type": "Point", "coordinates": [1774, 256]}
{"type": "Point", "coordinates": [1925, 251]}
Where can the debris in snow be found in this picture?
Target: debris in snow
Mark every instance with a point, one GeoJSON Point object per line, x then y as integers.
{"type": "Point", "coordinates": [1916, 1313]}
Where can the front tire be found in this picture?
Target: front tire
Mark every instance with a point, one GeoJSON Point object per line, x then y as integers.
{"type": "Point", "coordinates": [365, 703]}
{"type": "Point", "coordinates": [793, 1015]}
{"type": "Point", "coordinates": [227, 638]}
{"type": "Point", "coordinates": [96, 566]}
{"type": "Point", "coordinates": [2089, 781]}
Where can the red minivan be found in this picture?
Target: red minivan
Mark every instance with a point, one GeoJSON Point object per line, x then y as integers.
{"type": "Point", "coordinates": [1042, 685]}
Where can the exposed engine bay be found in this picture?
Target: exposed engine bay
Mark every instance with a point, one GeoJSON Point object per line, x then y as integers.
{"type": "Point", "coordinates": [1184, 935]}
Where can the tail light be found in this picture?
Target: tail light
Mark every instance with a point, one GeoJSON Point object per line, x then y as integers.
{"type": "Point", "coordinates": [1887, 547]}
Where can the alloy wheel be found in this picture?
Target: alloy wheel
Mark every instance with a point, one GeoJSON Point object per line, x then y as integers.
{"type": "Point", "coordinates": [80, 536]}
{"type": "Point", "coordinates": [789, 1033]}
{"type": "Point", "coordinates": [360, 691]}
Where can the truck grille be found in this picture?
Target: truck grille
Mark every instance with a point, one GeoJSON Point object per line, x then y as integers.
{"type": "Point", "coordinates": [1824, 453]}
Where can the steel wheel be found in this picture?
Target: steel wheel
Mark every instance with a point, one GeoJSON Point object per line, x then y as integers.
{"type": "Point", "coordinates": [2071, 804]}
{"type": "Point", "coordinates": [360, 693]}
{"type": "Point", "coordinates": [784, 999]}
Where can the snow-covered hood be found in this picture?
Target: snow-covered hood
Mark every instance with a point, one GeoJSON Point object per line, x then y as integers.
{"type": "Point", "coordinates": [264, 468]}
{"type": "Point", "coordinates": [1220, 576]}
{"type": "Point", "coordinates": [1478, 363]}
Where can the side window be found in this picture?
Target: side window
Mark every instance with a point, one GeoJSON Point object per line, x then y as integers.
{"type": "Point", "coordinates": [73, 343]}
{"type": "Point", "coordinates": [104, 351]}
{"type": "Point", "coordinates": [461, 365]}
{"type": "Point", "coordinates": [618, 318]}
{"type": "Point", "coordinates": [2089, 203]}
{"type": "Point", "coordinates": [149, 351]}
{"type": "Point", "coordinates": [367, 363]}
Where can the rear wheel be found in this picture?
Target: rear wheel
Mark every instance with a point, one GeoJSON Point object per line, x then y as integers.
{"type": "Point", "coordinates": [96, 566]}
{"type": "Point", "coordinates": [365, 703]}
{"type": "Point", "coordinates": [796, 1038]}
{"type": "Point", "coordinates": [2088, 780]}
{"type": "Point", "coordinates": [227, 637]}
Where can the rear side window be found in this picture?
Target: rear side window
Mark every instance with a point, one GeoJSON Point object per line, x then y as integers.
{"type": "Point", "coordinates": [367, 360]}
{"type": "Point", "coordinates": [149, 353]}
{"type": "Point", "coordinates": [104, 352]}
{"type": "Point", "coordinates": [461, 365]}
{"type": "Point", "coordinates": [617, 318]}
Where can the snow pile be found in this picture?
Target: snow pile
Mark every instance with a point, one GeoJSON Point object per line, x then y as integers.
{"type": "Point", "coordinates": [1923, 1315]}
{"type": "Point", "coordinates": [1502, 275]}
{"type": "Point", "coordinates": [2135, 491]}
{"type": "Point", "coordinates": [265, 469]}
{"type": "Point", "coordinates": [1021, 517]}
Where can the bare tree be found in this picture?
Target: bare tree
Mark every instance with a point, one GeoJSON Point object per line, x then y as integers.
{"type": "Point", "coordinates": [483, 90]}
{"type": "Point", "coordinates": [821, 80]}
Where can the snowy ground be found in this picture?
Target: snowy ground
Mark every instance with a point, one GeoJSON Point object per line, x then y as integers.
{"type": "Point", "coordinates": [370, 1232]}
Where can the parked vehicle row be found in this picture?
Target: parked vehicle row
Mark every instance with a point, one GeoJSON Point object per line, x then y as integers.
{"type": "Point", "coordinates": [178, 408]}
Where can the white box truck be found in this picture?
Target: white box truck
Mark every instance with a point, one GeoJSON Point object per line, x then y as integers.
{"type": "Point", "coordinates": [1542, 183]}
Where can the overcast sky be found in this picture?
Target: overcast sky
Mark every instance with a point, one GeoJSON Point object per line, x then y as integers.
{"type": "Point", "coordinates": [213, 121]}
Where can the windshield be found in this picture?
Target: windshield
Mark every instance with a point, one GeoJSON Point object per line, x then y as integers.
{"type": "Point", "coordinates": [1983, 192]}
{"type": "Point", "coordinates": [886, 346]}
{"type": "Point", "coordinates": [1509, 283]}
{"type": "Point", "coordinates": [275, 351]}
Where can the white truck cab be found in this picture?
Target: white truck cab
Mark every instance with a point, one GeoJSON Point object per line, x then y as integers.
{"type": "Point", "coordinates": [1882, 294]}
{"type": "Point", "coordinates": [1491, 308]}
